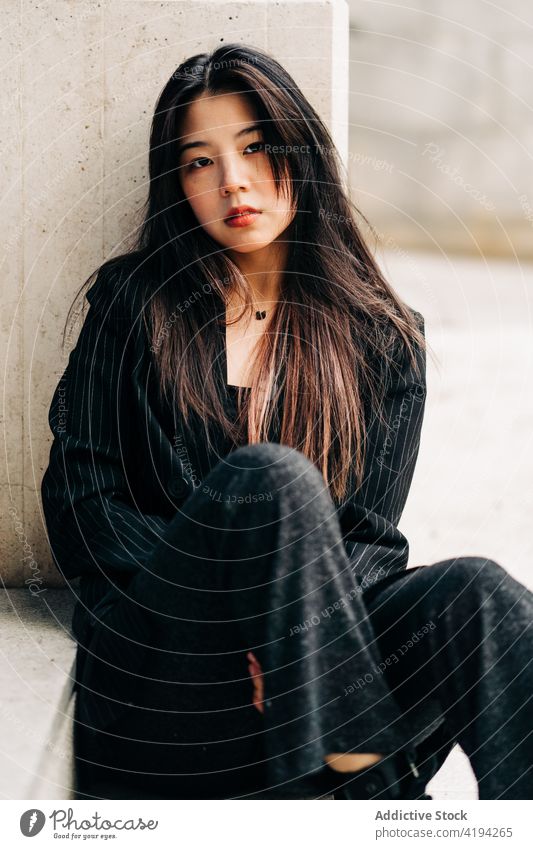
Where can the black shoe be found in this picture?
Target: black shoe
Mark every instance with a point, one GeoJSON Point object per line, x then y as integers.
{"type": "Point", "coordinates": [395, 776]}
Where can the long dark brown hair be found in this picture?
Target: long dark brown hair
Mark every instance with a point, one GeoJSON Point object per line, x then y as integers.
{"type": "Point", "coordinates": [337, 318]}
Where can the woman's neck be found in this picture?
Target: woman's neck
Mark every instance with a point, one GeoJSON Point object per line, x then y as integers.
{"type": "Point", "coordinates": [264, 271]}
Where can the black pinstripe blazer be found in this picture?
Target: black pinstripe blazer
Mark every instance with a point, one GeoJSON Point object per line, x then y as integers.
{"type": "Point", "coordinates": [115, 478]}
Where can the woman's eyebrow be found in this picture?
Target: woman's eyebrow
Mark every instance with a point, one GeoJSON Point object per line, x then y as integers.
{"type": "Point", "coordinates": [251, 129]}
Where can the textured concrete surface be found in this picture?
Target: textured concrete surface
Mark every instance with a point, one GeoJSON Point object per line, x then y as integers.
{"type": "Point", "coordinates": [440, 122]}
{"type": "Point", "coordinates": [36, 656]}
{"type": "Point", "coordinates": [472, 491]}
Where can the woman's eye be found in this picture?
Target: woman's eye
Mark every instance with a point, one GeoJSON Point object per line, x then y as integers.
{"type": "Point", "coordinates": [259, 145]}
{"type": "Point", "coordinates": [196, 165]}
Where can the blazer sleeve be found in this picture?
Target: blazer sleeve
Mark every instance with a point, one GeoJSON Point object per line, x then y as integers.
{"type": "Point", "coordinates": [92, 522]}
{"type": "Point", "coordinates": [375, 546]}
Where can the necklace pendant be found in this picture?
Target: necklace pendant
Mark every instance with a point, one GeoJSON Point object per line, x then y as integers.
{"type": "Point", "coordinates": [259, 314]}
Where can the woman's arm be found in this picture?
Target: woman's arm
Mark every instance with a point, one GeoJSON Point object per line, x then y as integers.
{"type": "Point", "coordinates": [369, 520]}
{"type": "Point", "coordinates": [93, 524]}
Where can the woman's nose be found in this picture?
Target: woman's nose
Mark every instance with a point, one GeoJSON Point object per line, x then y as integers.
{"type": "Point", "coordinates": [233, 177]}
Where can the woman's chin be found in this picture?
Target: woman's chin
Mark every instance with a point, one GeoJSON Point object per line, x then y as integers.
{"type": "Point", "coordinates": [248, 247]}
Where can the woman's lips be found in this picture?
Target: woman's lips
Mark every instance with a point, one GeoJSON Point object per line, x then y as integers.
{"type": "Point", "coordinates": [244, 219]}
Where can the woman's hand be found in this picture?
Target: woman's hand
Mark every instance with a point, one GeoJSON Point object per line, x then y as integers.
{"type": "Point", "coordinates": [254, 668]}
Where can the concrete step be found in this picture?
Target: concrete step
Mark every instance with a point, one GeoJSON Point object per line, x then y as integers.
{"type": "Point", "coordinates": [37, 653]}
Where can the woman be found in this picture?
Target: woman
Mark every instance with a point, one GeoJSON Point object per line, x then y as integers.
{"type": "Point", "coordinates": [234, 440]}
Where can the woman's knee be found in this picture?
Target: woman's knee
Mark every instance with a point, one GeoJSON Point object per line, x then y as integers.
{"type": "Point", "coordinates": [463, 573]}
{"type": "Point", "coordinates": [279, 464]}
{"type": "Point", "coordinates": [481, 567]}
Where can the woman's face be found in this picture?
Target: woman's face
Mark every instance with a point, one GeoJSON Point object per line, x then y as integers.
{"type": "Point", "coordinates": [226, 168]}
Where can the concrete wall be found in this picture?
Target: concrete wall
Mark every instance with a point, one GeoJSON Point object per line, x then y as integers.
{"type": "Point", "coordinates": [80, 81]}
{"type": "Point", "coordinates": [441, 131]}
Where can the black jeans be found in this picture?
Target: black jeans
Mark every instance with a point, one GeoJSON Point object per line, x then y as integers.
{"type": "Point", "coordinates": [476, 662]}
{"type": "Point", "coordinates": [255, 561]}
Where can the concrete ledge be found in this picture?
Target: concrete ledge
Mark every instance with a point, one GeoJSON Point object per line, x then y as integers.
{"type": "Point", "coordinates": [37, 655]}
